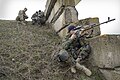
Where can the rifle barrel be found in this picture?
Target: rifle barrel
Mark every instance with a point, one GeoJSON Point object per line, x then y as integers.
{"type": "Point", "coordinates": [103, 22]}
{"type": "Point", "coordinates": [94, 25]}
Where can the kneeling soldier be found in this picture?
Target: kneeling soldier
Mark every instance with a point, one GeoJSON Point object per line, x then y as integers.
{"type": "Point", "coordinates": [22, 16]}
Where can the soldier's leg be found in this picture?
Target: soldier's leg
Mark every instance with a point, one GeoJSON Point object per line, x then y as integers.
{"type": "Point", "coordinates": [18, 19]}
{"type": "Point", "coordinates": [23, 22]}
{"type": "Point", "coordinates": [39, 21]}
{"type": "Point", "coordinates": [84, 69]}
{"type": "Point", "coordinates": [34, 21]}
{"type": "Point", "coordinates": [72, 64]}
{"type": "Point", "coordinates": [18, 22]}
{"type": "Point", "coordinates": [83, 54]}
{"type": "Point", "coordinates": [85, 51]}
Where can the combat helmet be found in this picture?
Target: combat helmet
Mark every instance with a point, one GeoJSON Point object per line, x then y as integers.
{"type": "Point", "coordinates": [25, 9]}
{"type": "Point", "coordinates": [63, 55]}
{"type": "Point", "coordinates": [71, 27]}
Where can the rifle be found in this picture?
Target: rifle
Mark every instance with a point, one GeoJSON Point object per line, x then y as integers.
{"type": "Point", "coordinates": [93, 25]}
{"type": "Point", "coordinates": [62, 28]}
{"type": "Point", "coordinates": [66, 26]}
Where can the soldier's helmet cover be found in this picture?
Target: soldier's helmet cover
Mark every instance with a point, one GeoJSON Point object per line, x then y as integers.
{"type": "Point", "coordinates": [63, 55]}
{"type": "Point", "coordinates": [39, 10]}
{"type": "Point", "coordinates": [36, 11]}
{"type": "Point", "coordinates": [72, 27]}
{"type": "Point", "coordinates": [25, 9]}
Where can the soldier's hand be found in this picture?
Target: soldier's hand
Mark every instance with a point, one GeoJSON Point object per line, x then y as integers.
{"type": "Point", "coordinates": [73, 36]}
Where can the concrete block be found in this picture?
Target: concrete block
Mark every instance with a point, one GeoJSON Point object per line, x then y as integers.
{"type": "Point", "coordinates": [71, 2]}
{"type": "Point", "coordinates": [69, 15]}
{"type": "Point", "coordinates": [111, 74]}
{"type": "Point", "coordinates": [89, 21]}
{"type": "Point", "coordinates": [105, 51]}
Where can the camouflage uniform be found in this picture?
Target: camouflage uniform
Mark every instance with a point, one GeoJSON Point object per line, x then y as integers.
{"type": "Point", "coordinates": [77, 49]}
{"type": "Point", "coordinates": [22, 16]}
{"type": "Point", "coordinates": [41, 17]}
{"type": "Point", "coordinates": [34, 18]}
{"type": "Point", "coordinates": [40, 13]}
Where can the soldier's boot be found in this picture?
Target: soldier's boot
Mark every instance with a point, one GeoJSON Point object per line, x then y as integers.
{"type": "Point", "coordinates": [73, 70]}
{"type": "Point", "coordinates": [84, 69]}
{"type": "Point", "coordinates": [24, 23]}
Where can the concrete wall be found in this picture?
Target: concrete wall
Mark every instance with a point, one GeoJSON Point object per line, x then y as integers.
{"type": "Point", "coordinates": [106, 55]}
{"type": "Point", "coordinates": [61, 12]}
{"type": "Point", "coordinates": [105, 49]}
{"type": "Point", "coordinates": [94, 31]}
{"type": "Point", "coordinates": [111, 74]}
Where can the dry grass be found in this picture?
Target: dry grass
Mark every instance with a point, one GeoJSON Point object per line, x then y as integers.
{"type": "Point", "coordinates": [26, 54]}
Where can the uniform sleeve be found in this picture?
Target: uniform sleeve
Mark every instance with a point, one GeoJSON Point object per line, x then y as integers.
{"type": "Point", "coordinates": [67, 43]}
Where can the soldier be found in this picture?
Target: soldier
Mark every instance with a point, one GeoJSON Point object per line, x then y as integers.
{"type": "Point", "coordinates": [34, 18]}
{"type": "Point", "coordinates": [74, 50]}
{"type": "Point", "coordinates": [40, 13]}
{"type": "Point", "coordinates": [41, 17]}
{"type": "Point", "coordinates": [22, 16]}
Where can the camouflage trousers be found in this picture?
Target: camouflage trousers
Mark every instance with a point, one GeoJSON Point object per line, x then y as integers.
{"type": "Point", "coordinates": [81, 68]}
{"type": "Point", "coordinates": [74, 65]}
{"type": "Point", "coordinates": [82, 53]}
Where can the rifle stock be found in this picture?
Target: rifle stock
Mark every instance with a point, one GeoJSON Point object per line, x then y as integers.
{"type": "Point", "coordinates": [62, 28]}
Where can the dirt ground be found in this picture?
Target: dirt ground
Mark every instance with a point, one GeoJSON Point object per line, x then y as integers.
{"type": "Point", "coordinates": [26, 54]}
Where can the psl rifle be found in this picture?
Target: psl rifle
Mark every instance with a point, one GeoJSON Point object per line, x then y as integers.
{"type": "Point", "coordinates": [94, 25]}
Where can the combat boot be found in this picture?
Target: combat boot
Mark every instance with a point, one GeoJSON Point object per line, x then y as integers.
{"type": "Point", "coordinates": [73, 70]}
{"type": "Point", "coordinates": [84, 69]}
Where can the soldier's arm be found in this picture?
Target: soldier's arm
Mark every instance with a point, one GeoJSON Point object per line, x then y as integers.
{"type": "Point", "coordinates": [66, 44]}
{"type": "Point", "coordinates": [68, 41]}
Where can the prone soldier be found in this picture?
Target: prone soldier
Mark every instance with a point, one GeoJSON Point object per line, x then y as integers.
{"type": "Point", "coordinates": [74, 49]}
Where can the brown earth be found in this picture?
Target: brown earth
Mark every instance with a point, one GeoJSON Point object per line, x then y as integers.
{"type": "Point", "coordinates": [26, 54]}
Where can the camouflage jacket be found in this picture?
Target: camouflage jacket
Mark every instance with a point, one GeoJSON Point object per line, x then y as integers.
{"type": "Point", "coordinates": [76, 47]}
{"type": "Point", "coordinates": [22, 15]}
{"type": "Point", "coordinates": [34, 16]}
